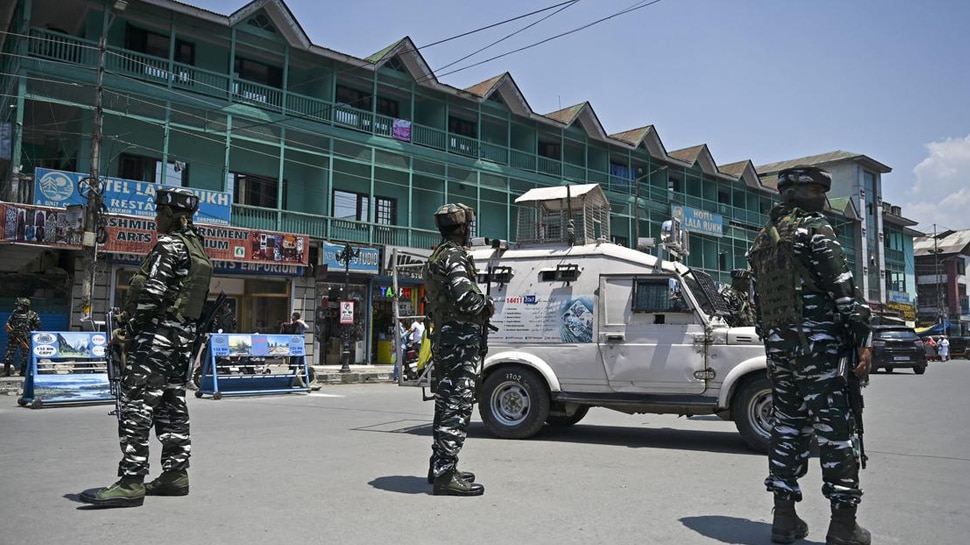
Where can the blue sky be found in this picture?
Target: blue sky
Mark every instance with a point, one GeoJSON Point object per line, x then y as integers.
{"type": "Point", "coordinates": [765, 80]}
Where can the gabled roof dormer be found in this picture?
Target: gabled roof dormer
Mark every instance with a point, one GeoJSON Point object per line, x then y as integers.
{"type": "Point", "coordinates": [272, 18]}
{"type": "Point", "coordinates": [506, 88]}
{"type": "Point", "coordinates": [645, 135]}
{"type": "Point", "coordinates": [403, 53]}
{"type": "Point", "coordinates": [697, 155]}
{"type": "Point", "coordinates": [584, 114]}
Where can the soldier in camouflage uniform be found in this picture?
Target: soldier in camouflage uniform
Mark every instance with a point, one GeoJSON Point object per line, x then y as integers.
{"type": "Point", "coordinates": [19, 325]}
{"type": "Point", "coordinates": [164, 302]}
{"type": "Point", "coordinates": [813, 321]}
{"type": "Point", "coordinates": [737, 299]}
{"type": "Point", "coordinates": [459, 311]}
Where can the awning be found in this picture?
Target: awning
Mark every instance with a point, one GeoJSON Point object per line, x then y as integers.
{"type": "Point", "coordinates": [935, 329]}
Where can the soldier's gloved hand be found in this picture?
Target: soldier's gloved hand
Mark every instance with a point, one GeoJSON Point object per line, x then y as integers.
{"type": "Point", "coordinates": [490, 308]}
{"type": "Point", "coordinates": [118, 337]}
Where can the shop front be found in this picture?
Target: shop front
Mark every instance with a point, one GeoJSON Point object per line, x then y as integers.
{"type": "Point", "coordinates": [409, 296]}
{"type": "Point", "coordinates": [344, 274]}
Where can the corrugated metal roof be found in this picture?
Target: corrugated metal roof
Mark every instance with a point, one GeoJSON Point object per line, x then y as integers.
{"type": "Point", "coordinates": [954, 242]}
{"type": "Point", "coordinates": [687, 155]}
{"type": "Point", "coordinates": [482, 88]}
{"type": "Point", "coordinates": [567, 115]}
{"type": "Point", "coordinates": [820, 159]}
{"type": "Point", "coordinates": [576, 194]}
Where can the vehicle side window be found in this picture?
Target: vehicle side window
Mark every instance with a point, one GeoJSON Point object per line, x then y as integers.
{"type": "Point", "coordinates": [658, 295]}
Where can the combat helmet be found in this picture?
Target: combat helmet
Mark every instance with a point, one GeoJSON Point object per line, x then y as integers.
{"type": "Point", "coordinates": [23, 302]}
{"type": "Point", "coordinates": [804, 174]}
{"type": "Point", "coordinates": [453, 214]}
{"type": "Point", "coordinates": [740, 274]}
{"type": "Point", "coordinates": [178, 199]}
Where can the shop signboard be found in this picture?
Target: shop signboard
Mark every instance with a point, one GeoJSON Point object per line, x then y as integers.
{"type": "Point", "coordinates": [367, 260]}
{"type": "Point", "coordinates": [220, 268]}
{"type": "Point", "coordinates": [905, 310]}
{"type": "Point", "coordinates": [699, 222]}
{"type": "Point", "coordinates": [26, 224]}
{"type": "Point", "coordinates": [59, 188]}
{"type": "Point", "coordinates": [133, 235]}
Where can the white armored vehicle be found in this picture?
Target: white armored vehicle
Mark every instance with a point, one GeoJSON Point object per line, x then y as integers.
{"type": "Point", "coordinates": [583, 322]}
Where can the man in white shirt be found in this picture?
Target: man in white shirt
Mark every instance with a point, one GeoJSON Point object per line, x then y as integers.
{"type": "Point", "coordinates": [415, 333]}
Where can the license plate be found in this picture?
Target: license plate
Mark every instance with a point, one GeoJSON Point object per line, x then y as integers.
{"type": "Point", "coordinates": [901, 358]}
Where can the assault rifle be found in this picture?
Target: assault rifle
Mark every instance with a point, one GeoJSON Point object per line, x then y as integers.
{"type": "Point", "coordinates": [114, 359]}
{"type": "Point", "coordinates": [854, 386]}
{"type": "Point", "coordinates": [488, 322]}
{"type": "Point", "coordinates": [202, 330]}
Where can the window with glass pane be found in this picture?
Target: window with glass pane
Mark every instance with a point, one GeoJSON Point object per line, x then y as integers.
{"type": "Point", "coordinates": [255, 190]}
{"type": "Point", "coordinates": [350, 206]}
{"type": "Point", "coordinates": [385, 211]}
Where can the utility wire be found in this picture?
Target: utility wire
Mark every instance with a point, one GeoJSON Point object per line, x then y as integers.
{"type": "Point", "coordinates": [567, 33]}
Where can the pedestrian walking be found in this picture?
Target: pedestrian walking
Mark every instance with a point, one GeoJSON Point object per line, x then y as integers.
{"type": "Point", "coordinates": [944, 348]}
{"type": "Point", "coordinates": [459, 310]}
{"type": "Point", "coordinates": [813, 321]}
{"type": "Point", "coordinates": [21, 322]}
{"type": "Point", "coordinates": [163, 305]}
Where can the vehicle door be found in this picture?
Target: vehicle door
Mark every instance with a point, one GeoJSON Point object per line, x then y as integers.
{"type": "Point", "coordinates": [649, 338]}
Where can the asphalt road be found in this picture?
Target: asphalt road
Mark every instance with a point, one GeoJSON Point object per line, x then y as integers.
{"type": "Point", "coordinates": [347, 465]}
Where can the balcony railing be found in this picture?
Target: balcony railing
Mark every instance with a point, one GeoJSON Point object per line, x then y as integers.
{"type": "Point", "coordinates": [328, 228]}
{"type": "Point", "coordinates": [72, 50]}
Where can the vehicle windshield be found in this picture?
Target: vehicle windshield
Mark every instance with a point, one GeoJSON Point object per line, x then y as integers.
{"type": "Point", "coordinates": [701, 285]}
{"type": "Point", "coordinates": [898, 335]}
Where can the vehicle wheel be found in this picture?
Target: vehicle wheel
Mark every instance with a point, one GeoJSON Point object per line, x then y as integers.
{"type": "Point", "coordinates": [513, 403]}
{"type": "Point", "coordinates": [312, 373]}
{"type": "Point", "coordinates": [919, 369]}
{"type": "Point", "coordinates": [752, 412]}
{"type": "Point", "coordinates": [562, 420]}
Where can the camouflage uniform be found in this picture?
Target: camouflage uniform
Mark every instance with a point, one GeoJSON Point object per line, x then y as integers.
{"type": "Point", "coordinates": [808, 386]}
{"type": "Point", "coordinates": [21, 322]}
{"type": "Point", "coordinates": [153, 384]}
{"type": "Point", "coordinates": [458, 312]}
{"type": "Point", "coordinates": [736, 297]}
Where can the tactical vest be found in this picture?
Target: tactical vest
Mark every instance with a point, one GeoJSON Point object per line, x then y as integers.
{"type": "Point", "coordinates": [195, 289]}
{"type": "Point", "coordinates": [778, 273]}
{"type": "Point", "coordinates": [440, 308]}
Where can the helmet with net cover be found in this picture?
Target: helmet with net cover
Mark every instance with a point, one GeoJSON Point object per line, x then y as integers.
{"type": "Point", "coordinates": [23, 302]}
{"type": "Point", "coordinates": [453, 215]}
{"type": "Point", "coordinates": [178, 199]}
{"type": "Point", "coordinates": [804, 174]}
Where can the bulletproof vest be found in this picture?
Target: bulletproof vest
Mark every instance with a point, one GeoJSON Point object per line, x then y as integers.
{"type": "Point", "coordinates": [778, 273]}
{"type": "Point", "coordinates": [441, 309]}
{"type": "Point", "coordinates": [195, 289]}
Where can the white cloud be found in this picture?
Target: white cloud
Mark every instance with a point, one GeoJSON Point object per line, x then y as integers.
{"type": "Point", "coordinates": [940, 194]}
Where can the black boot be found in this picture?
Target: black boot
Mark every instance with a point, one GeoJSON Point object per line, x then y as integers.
{"type": "Point", "coordinates": [6, 369]}
{"type": "Point", "coordinates": [465, 476]}
{"type": "Point", "coordinates": [451, 484]}
{"type": "Point", "coordinates": [844, 530]}
{"type": "Point", "coordinates": [786, 527]}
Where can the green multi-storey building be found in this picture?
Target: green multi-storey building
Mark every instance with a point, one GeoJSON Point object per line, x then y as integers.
{"type": "Point", "coordinates": [297, 139]}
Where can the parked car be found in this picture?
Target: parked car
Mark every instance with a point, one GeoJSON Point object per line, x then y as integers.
{"type": "Point", "coordinates": [958, 347]}
{"type": "Point", "coordinates": [897, 346]}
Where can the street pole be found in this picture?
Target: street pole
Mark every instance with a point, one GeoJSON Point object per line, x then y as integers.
{"type": "Point", "coordinates": [636, 204]}
{"type": "Point", "coordinates": [939, 289]}
{"type": "Point", "coordinates": [346, 330]}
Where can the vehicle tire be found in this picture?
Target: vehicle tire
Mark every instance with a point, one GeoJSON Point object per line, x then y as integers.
{"type": "Point", "coordinates": [311, 374]}
{"type": "Point", "coordinates": [562, 421]}
{"type": "Point", "coordinates": [513, 403]}
{"type": "Point", "coordinates": [919, 369]}
{"type": "Point", "coordinates": [752, 412]}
